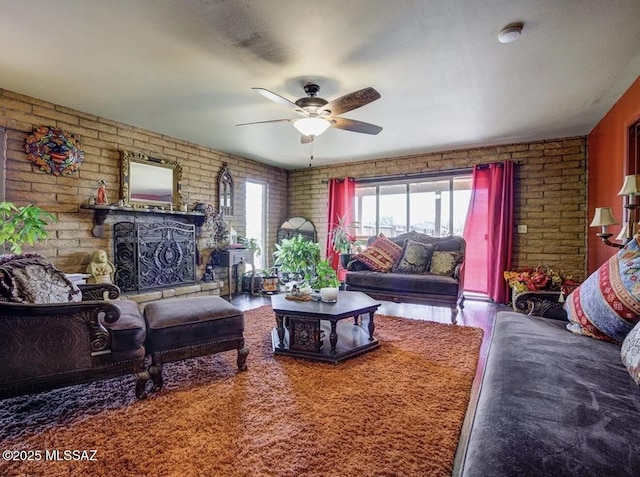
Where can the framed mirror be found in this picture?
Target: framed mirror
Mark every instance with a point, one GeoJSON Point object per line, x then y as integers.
{"type": "Point", "coordinates": [225, 191]}
{"type": "Point", "coordinates": [297, 226]}
{"type": "Point", "coordinates": [150, 182]}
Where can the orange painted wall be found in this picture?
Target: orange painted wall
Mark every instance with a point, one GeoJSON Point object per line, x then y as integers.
{"type": "Point", "coordinates": [606, 166]}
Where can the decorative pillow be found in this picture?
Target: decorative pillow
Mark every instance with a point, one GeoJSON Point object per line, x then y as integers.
{"type": "Point", "coordinates": [381, 255]}
{"type": "Point", "coordinates": [630, 353]}
{"type": "Point", "coordinates": [606, 306]}
{"type": "Point", "coordinates": [415, 258]}
{"type": "Point", "coordinates": [445, 263]}
{"type": "Point", "coordinates": [30, 278]}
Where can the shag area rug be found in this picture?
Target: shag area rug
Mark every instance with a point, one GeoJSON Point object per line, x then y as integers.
{"type": "Point", "coordinates": [395, 411]}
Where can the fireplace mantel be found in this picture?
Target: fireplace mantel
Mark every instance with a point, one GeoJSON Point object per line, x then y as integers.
{"type": "Point", "coordinates": [100, 213]}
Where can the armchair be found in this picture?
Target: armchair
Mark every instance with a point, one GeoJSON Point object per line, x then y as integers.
{"type": "Point", "coordinates": [47, 346]}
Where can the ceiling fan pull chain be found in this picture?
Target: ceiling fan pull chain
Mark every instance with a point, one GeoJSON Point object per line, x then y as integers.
{"type": "Point", "coordinates": [310, 153]}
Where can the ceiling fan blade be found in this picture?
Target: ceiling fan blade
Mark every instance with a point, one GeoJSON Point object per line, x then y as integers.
{"type": "Point", "coordinates": [305, 139]}
{"type": "Point", "coordinates": [355, 126]}
{"type": "Point", "coordinates": [351, 101]}
{"type": "Point", "coordinates": [271, 121]}
{"type": "Point", "coordinates": [276, 98]}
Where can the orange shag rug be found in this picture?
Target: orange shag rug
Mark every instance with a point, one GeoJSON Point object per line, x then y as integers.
{"type": "Point", "coordinates": [395, 411]}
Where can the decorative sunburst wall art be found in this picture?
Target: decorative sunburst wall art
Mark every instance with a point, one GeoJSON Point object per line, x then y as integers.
{"type": "Point", "coordinates": [54, 151]}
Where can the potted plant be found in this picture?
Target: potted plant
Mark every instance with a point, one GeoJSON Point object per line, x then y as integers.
{"type": "Point", "coordinates": [22, 225]}
{"type": "Point", "coordinates": [324, 277]}
{"type": "Point", "coordinates": [342, 241]}
{"type": "Point", "coordinates": [297, 257]}
{"type": "Point", "coordinates": [326, 281]}
{"type": "Point", "coordinates": [251, 244]}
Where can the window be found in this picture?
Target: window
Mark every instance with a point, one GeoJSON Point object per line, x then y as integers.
{"type": "Point", "coordinates": [255, 217]}
{"type": "Point", "coordinates": [434, 205]}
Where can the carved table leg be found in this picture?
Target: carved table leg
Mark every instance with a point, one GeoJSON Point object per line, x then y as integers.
{"type": "Point", "coordinates": [243, 352]}
{"type": "Point", "coordinates": [333, 336]}
{"type": "Point", "coordinates": [280, 328]}
{"type": "Point", "coordinates": [372, 325]}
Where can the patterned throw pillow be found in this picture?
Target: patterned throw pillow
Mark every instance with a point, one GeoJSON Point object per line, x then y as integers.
{"type": "Point", "coordinates": [606, 306]}
{"type": "Point", "coordinates": [445, 263]}
{"type": "Point", "coordinates": [630, 353]}
{"type": "Point", "coordinates": [415, 258]}
{"type": "Point", "coordinates": [381, 255]}
{"type": "Point", "coordinates": [30, 278]}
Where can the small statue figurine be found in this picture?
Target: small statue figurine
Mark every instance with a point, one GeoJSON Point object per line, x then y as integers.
{"type": "Point", "coordinates": [100, 268]}
{"type": "Point", "coordinates": [101, 198]}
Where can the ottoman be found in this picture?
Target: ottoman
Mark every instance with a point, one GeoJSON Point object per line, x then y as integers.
{"type": "Point", "coordinates": [184, 328]}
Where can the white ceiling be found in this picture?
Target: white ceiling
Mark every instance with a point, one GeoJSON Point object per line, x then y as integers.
{"type": "Point", "coordinates": [186, 68]}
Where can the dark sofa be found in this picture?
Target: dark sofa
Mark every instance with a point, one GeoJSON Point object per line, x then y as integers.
{"type": "Point", "coordinates": [425, 288]}
{"type": "Point", "coordinates": [552, 403]}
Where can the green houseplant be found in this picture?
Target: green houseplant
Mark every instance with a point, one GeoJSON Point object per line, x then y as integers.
{"type": "Point", "coordinates": [22, 225]}
{"type": "Point", "coordinates": [297, 257]}
{"type": "Point", "coordinates": [325, 276]}
{"type": "Point", "coordinates": [342, 239]}
{"type": "Point", "coordinates": [251, 244]}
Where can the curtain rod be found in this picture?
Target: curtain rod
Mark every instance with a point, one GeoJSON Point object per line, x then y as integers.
{"type": "Point", "coordinates": [415, 175]}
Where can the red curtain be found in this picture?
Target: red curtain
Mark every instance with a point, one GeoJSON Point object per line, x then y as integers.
{"type": "Point", "coordinates": [342, 193]}
{"type": "Point", "coordinates": [488, 230]}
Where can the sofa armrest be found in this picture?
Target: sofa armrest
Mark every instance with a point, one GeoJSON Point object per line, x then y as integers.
{"type": "Point", "coordinates": [548, 304]}
{"type": "Point", "coordinates": [72, 332]}
{"type": "Point", "coordinates": [100, 291]}
{"type": "Point", "coordinates": [357, 266]}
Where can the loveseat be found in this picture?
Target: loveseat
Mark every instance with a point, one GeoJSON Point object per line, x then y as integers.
{"type": "Point", "coordinates": [411, 268]}
{"type": "Point", "coordinates": [561, 397]}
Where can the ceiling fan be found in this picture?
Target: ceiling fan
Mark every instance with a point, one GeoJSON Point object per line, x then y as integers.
{"type": "Point", "coordinates": [316, 114]}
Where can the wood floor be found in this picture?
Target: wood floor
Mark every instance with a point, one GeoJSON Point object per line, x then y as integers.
{"type": "Point", "coordinates": [478, 313]}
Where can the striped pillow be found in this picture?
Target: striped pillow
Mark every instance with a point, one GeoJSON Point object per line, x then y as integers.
{"type": "Point", "coordinates": [606, 306]}
{"type": "Point", "coordinates": [381, 255]}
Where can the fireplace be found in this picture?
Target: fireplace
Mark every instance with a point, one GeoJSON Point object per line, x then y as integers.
{"type": "Point", "coordinates": [154, 255]}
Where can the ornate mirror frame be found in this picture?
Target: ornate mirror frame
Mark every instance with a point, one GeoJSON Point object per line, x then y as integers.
{"type": "Point", "coordinates": [137, 168]}
{"type": "Point", "coordinates": [225, 191]}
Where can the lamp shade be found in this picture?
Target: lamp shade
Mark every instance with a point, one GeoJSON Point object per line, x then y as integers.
{"type": "Point", "coordinates": [623, 233]}
{"type": "Point", "coordinates": [602, 217]}
{"type": "Point", "coordinates": [311, 126]}
{"type": "Point", "coordinates": [631, 185]}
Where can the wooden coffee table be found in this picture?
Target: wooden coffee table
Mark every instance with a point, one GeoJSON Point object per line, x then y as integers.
{"type": "Point", "coordinates": [303, 326]}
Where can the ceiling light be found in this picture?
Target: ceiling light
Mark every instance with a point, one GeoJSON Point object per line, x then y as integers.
{"type": "Point", "coordinates": [510, 33]}
{"type": "Point", "coordinates": [311, 126]}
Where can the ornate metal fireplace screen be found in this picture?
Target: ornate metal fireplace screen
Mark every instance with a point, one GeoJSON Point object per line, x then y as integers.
{"type": "Point", "coordinates": [154, 255]}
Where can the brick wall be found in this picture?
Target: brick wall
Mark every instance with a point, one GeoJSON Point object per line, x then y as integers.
{"type": "Point", "coordinates": [550, 194]}
{"type": "Point", "coordinates": [71, 241]}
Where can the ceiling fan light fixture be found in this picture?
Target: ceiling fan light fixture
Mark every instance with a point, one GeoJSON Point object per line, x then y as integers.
{"type": "Point", "coordinates": [510, 33]}
{"type": "Point", "coordinates": [311, 126]}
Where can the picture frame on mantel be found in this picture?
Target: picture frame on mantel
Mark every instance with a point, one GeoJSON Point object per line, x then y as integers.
{"type": "Point", "coordinates": [148, 182]}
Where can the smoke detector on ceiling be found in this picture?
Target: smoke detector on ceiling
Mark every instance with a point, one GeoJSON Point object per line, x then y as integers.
{"type": "Point", "coordinates": [510, 33]}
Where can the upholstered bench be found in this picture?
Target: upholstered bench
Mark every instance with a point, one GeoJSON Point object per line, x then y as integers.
{"type": "Point", "coordinates": [184, 328]}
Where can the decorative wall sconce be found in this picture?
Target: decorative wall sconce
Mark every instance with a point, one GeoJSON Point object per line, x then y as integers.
{"type": "Point", "coordinates": [603, 217]}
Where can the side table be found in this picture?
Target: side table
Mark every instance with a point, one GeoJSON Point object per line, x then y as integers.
{"type": "Point", "coordinates": [230, 259]}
